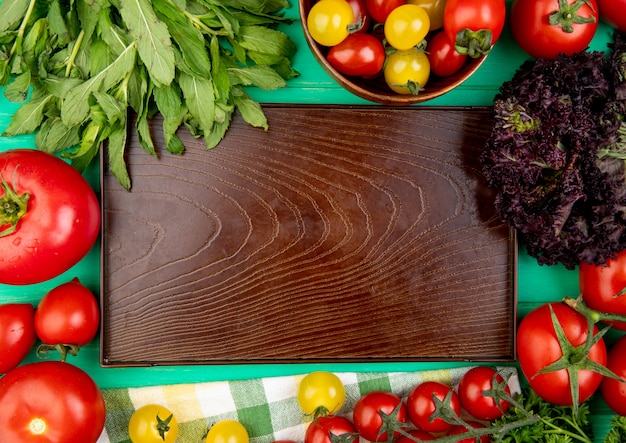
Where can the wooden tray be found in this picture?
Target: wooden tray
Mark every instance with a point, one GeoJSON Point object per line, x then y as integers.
{"type": "Point", "coordinates": [341, 234]}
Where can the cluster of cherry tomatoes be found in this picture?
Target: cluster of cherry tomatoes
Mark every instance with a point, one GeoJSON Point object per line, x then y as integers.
{"type": "Point", "coordinates": [378, 414]}
{"type": "Point", "coordinates": [405, 41]}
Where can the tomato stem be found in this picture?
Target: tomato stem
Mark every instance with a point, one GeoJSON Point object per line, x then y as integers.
{"type": "Point", "coordinates": [567, 15]}
{"type": "Point", "coordinates": [474, 44]}
{"type": "Point", "coordinates": [13, 206]}
{"type": "Point", "coordinates": [62, 349]}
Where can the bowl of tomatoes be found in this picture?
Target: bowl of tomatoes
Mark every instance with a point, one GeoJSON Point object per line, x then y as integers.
{"type": "Point", "coordinates": [393, 52]}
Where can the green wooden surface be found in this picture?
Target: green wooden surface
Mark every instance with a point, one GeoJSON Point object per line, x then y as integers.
{"type": "Point", "coordinates": [536, 284]}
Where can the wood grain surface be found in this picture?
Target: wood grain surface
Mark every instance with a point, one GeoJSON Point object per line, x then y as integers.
{"type": "Point", "coordinates": [341, 234]}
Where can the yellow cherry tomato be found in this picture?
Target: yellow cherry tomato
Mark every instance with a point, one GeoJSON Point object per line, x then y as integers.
{"type": "Point", "coordinates": [153, 424]}
{"type": "Point", "coordinates": [321, 392]}
{"type": "Point", "coordinates": [407, 72]}
{"type": "Point", "coordinates": [329, 21]}
{"type": "Point", "coordinates": [227, 431]}
{"type": "Point", "coordinates": [406, 26]}
{"type": "Point", "coordinates": [434, 9]}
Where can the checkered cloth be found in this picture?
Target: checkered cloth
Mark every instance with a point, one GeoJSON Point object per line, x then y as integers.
{"type": "Point", "coordinates": [267, 407]}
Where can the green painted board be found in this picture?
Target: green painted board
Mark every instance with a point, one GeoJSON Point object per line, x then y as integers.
{"type": "Point", "coordinates": [537, 284]}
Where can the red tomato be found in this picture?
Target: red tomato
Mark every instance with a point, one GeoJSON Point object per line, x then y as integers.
{"type": "Point", "coordinates": [543, 30]}
{"type": "Point", "coordinates": [420, 435]}
{"type": "Point", "coordinates": [361, 14]}
{"type": "Point", "coordinates": [460, 429]}
{"type": "Point", "coordinates": [471, 390]}
{"type": "Point", "coordinates": [54, 213]}
{"type": "Point", "coordinates": [444, 59]}
{"type": "Point", "coordinates": [68, 315]}
{"type": "Point", "coordinates": [380, 9]}
{"type": "Point", "coordinates": [538, 346]}
{"type": "Point", "coordinates": [52, 402]}
{"type": "Point", "coordinates": [17, 334]}
{"type": "Point", "coordinates": [614, 13]}
{"type": "Point", "coordinates": [474, 25]}
{"type": "Point", "coordinates": [601, 286]}
{"type": "Point", "coordinates": [366, 415]}
{"type": "Point", "coordinates": [359, 55]}
{"type": "Point", "coordinates": [420, 405]}
{"type": "Point", "coordinates": [320, 429]}
{"type": "Point", "coordinates": [614, 391]}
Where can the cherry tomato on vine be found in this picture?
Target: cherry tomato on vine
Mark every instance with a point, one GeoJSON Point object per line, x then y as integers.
{"type": "Point", "coordinates": [367, 414]}
{"type": "Point", "coordinates": [380, 9]}
{"type": "Point", "coordinates": [359, 54]}
{"type": "Point", "coordinates": [330, 21]}
{"type": "Point", "coordinates": [545, 28]}
{"type": "Point", "coordinates": [612, 11]}
{"type": "Point", "coordinates": [538, 346]}
{"type": "Point", "coordinates": [320, 429]}
{"type": "Point", "coordinates": [460, 429]}
{"type": "Point", "coordinates": [406, 26]}
{"type": "Point", "coordinates": [17, 334]}
{"type": "Point", "coordinates": [407, 72]}
{"type": "Point", "coordinates": [444, 59]}
{"type": "Point", "coordinates": [52, 402]}
{"type": "Point", "coordinates": [227, 431]}
{"type": "Point", "coordinates": [434, 9]}
{"type": "Point", "coordinates": [474, 25]}
{"type": "Point", "coordinates": [614, 391]}
{"type": "Point", "coordinates": [421, 406]}
{"type": "Point", "coordinates": [153, 423]}
{"type": "Point", "coordinates": [321, 392]}
{"type": "Point", "coordinates": [472, 388]}
{"type": "Point", "coordinates": [603, 288]}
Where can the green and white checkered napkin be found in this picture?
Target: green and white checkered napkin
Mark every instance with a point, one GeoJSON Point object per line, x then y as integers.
{"type": "Point", "coordinates": [267, 407]}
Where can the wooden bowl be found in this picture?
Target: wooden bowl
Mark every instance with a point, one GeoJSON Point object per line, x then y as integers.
{"type": "Point", "coordinates": [376, 90]}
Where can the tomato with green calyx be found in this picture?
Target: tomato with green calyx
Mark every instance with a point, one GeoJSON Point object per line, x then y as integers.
{"type": "Point", "coordinates": [406, 26]}
{"type": "Point", "coordinates": [434, 9]}
{"type": "Point", "coordinates": [380, 9]}
{"type": "Point", "coordinates": [321, 393]}
{"type": "Point", "coordinates": [603, 287]}
{"type": "Point", "coordinates": [49, 216]}
{"type": "Point", "coordinates": [17, 334]}
{"type": "Point", "coordinates": [561, 353]}
{"type": "Point", "coordinates": [359, 54]}
{"type": "Point", "coordinates": [153, 423]}
{"type": "Point", "coordinates": [52, 402]}
{"type": "Point", "coordinates": [481, 392]}
{"type": "Point", "coordinates": [444, 59]}
{"type": "Point", "coordinates": [331, 429]}
{"type": "Point", "coordinates": [407, 72]}
{"type": "Point", "coordinates": [474, 25]}
{"type": "Point", "coordinates": [227, 431]}
{"type": "Point", "coordinates": [614, 391]}
{"type": "Point", "coordinates": [362, 17]}
{"type": "Point", "coordinates": [330, 21]}
{"type": "Point", "coordinates": [378, 416]}
{"type": "Point", "coordinates": [421, 405]}
{"type": "Point", "coordinates": [545, 28]}
{"type": "Point", "coordinates": [67, 318]}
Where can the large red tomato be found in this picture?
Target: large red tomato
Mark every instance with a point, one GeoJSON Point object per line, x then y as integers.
{"type": "Point", "coordinates": [368, 420]}
{"type": "Point", "coordinates": [52, 402]}
{"type": "Point", "coordinates": [614, 13]}
{"type": "Point", "coordinates": [603, 288]}
{"type": "Point", "coordinates": [49, 216]}
{"type": "Point", "coordinates": [614, 391]}
{"type": "Point", "coordinates": [544, 28]}
{"type": "Point", "coordinates": [538, 347]}
{"type": "Point", "coordinates": [17, 334]}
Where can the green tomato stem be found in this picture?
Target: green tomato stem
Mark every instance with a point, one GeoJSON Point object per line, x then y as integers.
{"type": "Point", "coordinates": [13, 207]}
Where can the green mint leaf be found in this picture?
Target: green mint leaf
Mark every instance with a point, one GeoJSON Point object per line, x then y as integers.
{"type": "Point", "coordinates": [212, 138]}
{"type": "Point", "coordinates": [75, 108]}
{"type": "Point", "coordinates": [57, 23]}
{"type": "Point", "coordinates": [199, 98]}
{"type": "Point", "coordinates": [171, 108]}
{"type": "Point", "coordinates": [263, 39]}
{"type": "Point", "coordinates": [12, 12]}
{"type": "Point", "coordinates": [116, 146]}
{"type": "Point", "coordinates": [112, 108]}
{"type": "Point", "coordinates": [17, 90]}
{"type": "Point", "coordinates": [144, 136]}
{"type": "Point", "coordinates": [60, 86]}
{"type": "Point", "coordinates": [87, 148]}
{"type": "Point", "coordinates": [250, 110]}
{"type": "Point", "coordinates": [54, 136]}
{"type": "Point", "coordinates": [153, 39]}
{"type": "Point", "coordinates": [260, 76]}
{"type": "Point", "coordinates": [28, 117]}
{"type": "Point", "coordinates": [88, 12]}
{"type": "Point", "coordinates": [35, 42]}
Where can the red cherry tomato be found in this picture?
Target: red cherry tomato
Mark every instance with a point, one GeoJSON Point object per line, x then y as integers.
{"type": "Point", "coordinates": [471, 391]}
{"type": "Point", "coordinates": [17, 334]}
{"type": "Point", "coordinates": [538, 346]}
{"type": "Point", "coordinates": [380, 9]}
{"type": "Point", "coordinates": [358, 55]}
{"type": "Point", "coordinates": [420, 405]}
{"type": "Point", "coordinates": [320, 429]}
{"type": "Point", "coordinates": [56, 216]}
{"type": "Point", "coordinates": [366, 415]}
{"type": "Point", "coordinates": [362, 16]}
{"type": "Point", "coordinates": [52, 402]}
{"type": "Point", "coordinates": [601, 286]}
{"type": "Point", "coordinates": [539, 35]}
{"type": "Point", "coordinates": [444, 59]}
{"type": "Point", "coordinates": [614, 391]}
{"type": "Point", "coordinates": [614, 13]}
